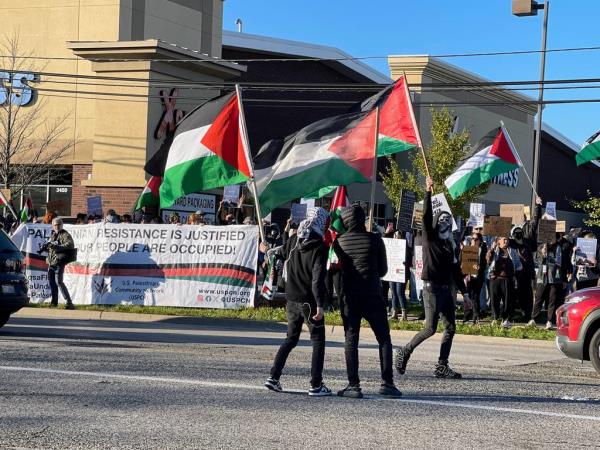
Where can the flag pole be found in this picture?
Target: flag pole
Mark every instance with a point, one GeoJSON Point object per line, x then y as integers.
{"type": "Point", "coordinates": [246, 145]}
{"type": "Point", "coordinates": [412, 114]}
{"type": "Point", "coordinates": [519, 157]}
{"type": "Point", "coordinates": [374, 175]}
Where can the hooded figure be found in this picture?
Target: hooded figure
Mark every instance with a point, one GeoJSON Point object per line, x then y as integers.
{"type": "Point", "coordinates": [363, 263]}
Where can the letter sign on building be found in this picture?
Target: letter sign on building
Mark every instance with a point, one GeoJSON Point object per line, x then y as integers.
{"type": "Point", "coordinates": [19, 93]}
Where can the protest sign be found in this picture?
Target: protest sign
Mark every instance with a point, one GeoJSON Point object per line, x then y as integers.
{"type": "Point", "coordinates": [152, 265]}
{"type": "Point", "coordinates": [405, 211]}
{"type": "Point", "coordinates": [470, 260]}
{"type": "Point", "coordinates": [551, 210]}
{"type": "Point", "coordinates": [418, 267]}
{"type": "Point", "coordinates": [476, 215]}
{"type": "Point", "coordinates": [417, 220]}
{"type": "Point", "coordinates": [94, 206]}
{"type": "Point", "coordinates": [586, 251]}
{"type": "Point", "coordinates": [184, 206]}
{"type": "Point", "coordinates": [515, 211]}
{"type": "Point", "coordinates": [231, 195]}
{"type": "Point", "coordinates": [527, 212]}
{"type": "Point", "coordinates": [299, 211]}
{"type": "Point", "coordinates": [497, 226]}
{"type": "Point", "coordinates": [561, 226]}
{"type": "Point", "coordinates": [395, 250]}
{"type": "Point", "coordinates": [547, 230]}
{"type": "Point", "coordinates": [309, 202]}
{"type": "Point", "coordinates": [439, 203]}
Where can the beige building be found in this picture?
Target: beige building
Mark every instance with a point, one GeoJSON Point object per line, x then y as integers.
{"type": "Point", "coordinates": [495, 106]}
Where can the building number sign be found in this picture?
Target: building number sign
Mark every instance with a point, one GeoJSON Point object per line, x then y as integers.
{"type": "Point", "coordinates": [14, 88]}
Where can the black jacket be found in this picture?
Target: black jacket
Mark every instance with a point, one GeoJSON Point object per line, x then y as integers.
{"type": "Point", "coordinates": [306, 271]}
{"type": "Point", "coordinates": [440, 265]}
{"type": "Point", "coordinates": [529, 246]}
{"type": "Point", "coordinates": [362, 256]}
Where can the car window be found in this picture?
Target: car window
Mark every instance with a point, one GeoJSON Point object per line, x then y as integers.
{"type": "Point", "coordinates": [6, 243]}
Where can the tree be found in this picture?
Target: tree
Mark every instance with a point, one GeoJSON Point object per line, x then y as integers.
{"type": "Point", "coordinates": [446, 152]}
{"type": "Point", "coordinates": [30, 142]}
{"type": "Point", "coordinates": [591, 207]}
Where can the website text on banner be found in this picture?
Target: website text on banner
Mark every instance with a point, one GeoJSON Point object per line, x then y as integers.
{"type": "Point", "coordinates": [153, 265]}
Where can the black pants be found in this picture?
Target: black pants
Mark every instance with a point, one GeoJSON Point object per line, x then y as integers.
{"type": "Point", "coordinates": [474, 287]}
{"type": "Point", "coordinates": [297, 314]}
{"type": "Point", "coordinates": [374, 310]}
{"type": "Point", "coordinates": [554, 294]}
{"type": "Point", "coordinates": [55, 278]}
{"type": "Point", "coordinates": [438, 302]}
{"type": "Point", "coordinates": [524, 294]}
{"type": "Point", "coordinates": [502, 290]}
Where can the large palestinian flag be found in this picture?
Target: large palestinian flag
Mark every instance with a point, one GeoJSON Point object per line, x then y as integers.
{"type": "Point", "coordinates": [493, 155]}
{"type": "Point", "coordinates": [331, 152]}
{"type": "Point", "coordinates": [150, 195]}
{"type": "Point", "coordinates": [397, 124]}
{"type": "Point", "coordinates": [590, 150]}
{"type": "Point", "coordinates": [206, 152]}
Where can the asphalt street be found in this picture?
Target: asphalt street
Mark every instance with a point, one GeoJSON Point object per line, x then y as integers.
{"type": "Point", "coordinates": [72, 383]}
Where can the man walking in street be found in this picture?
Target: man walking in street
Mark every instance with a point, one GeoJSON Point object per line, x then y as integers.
{"type": "Point", "coordinates": [440, 269]}
{"type": "Point", "coordinates": [305, 270]}
{"type": "Point", "coordinates": [60, 248]}
{"type": "Point", "coordinates": [363, 263]}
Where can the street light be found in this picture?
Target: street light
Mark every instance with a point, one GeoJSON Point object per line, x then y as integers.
{"type": "Point", "coordinates": [524, 8]}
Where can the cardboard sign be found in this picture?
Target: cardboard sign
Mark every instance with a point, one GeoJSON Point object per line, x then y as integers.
{"type": "Point", "coordinates": [405, 212]}
{"type": "Point", "coordinates": [476, 215]}
{"type": "Point", "coordinates": [439, 203]}
{"type": "Point", "coordinates": [561, 226]}
{"type": "Point", "coordinates": [417, 219]}
{"type": "Point", "coordinates": [586, 251]}
{"type": "Point", "coordinates": [470, 259]}
{"type": "Point", "coordinates": [527, 211]}
{"type": "Point", "coordinates": [299, 211]}
{"type": "Point", "coordinates": [497, 226]}
{"type": "Point", "coordinates": [514, 211]}
{"type": "Point", "coordinates": [551, 210]}
{"type": "Point", "coordinates": [547, 230]}
{"type": "Point", "coordinates": [94, 205]}
{"type": "Point", "coordinates": [395, 250]}
{"type": "Point", "coordinates": [231, 195]}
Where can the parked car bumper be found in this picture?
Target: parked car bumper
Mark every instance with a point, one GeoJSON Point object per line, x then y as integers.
{"type": "Point", "coordinates": [572, 349]}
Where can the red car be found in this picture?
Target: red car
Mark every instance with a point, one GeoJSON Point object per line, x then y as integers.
{"type": "Point", "coordinates": [578, 326]}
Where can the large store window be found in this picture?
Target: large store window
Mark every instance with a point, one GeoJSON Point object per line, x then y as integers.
{"type": "Point", "coordinates": [55, 194]}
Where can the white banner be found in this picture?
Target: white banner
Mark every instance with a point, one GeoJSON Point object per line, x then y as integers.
{"type": "Point", "coordinates": [152, 265]}
{"type": "Point", "coordinates": [395, 250]}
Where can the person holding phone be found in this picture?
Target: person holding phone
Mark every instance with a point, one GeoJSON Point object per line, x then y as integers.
{"type": "Point", "coordinates": [505, 267]}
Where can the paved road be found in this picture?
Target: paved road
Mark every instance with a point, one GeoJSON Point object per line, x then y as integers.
{"type": "Point", "coordinates": [69, 383]}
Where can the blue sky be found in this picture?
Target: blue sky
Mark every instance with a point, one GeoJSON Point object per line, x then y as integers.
{"type": "Point", "coordinates": [383, 27]}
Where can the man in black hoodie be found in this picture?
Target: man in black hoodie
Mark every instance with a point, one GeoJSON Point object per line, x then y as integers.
{"type": "Point", "coordinates": [440, 269]}
{"type": "Point", "coordinates": [305, 270]}
{"type": "Point", "coordinates": [363, 262]}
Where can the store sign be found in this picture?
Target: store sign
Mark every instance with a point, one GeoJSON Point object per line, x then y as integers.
{"type": "Point", "coordinates": [171, 116]}
{"type": "Point", "coordinates": [510, 179]}
{"type": "Point", "coordinates": [14, 89]}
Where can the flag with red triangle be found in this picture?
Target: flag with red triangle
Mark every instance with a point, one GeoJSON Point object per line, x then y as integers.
{"type": "Point", "coordinates": [206, 152]}
{"type": "Point", "coordinates": [336, 226]}
{"type": "Point", "coordinates": [150, 195]}
{"type": "Point", "coordinates": [27, 209]}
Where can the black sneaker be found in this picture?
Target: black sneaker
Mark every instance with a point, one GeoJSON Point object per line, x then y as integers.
{"type": "Point", "coordinates": [70, 306]}
{"type": "Point", "coordinates": [389, 390]}
{"type": "Point", "coordinates": [351, 392]}
{"type": "Point", "coordinates": [402, 357]}
{"type": "Point", "coordinates": [321, 391]}
{"type": "Point", "coordinates": [444, 371]}
{"type": "Point", "coordinates": [273, 385]}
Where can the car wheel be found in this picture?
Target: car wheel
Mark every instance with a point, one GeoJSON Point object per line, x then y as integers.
{"type": "Point", "coordinates": [4, 318]}
{"type": "Point", "coordinates": [595, 350]}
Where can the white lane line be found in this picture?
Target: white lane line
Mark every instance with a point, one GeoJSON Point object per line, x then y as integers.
{"type": "Point", "coordinates": [252, 387]}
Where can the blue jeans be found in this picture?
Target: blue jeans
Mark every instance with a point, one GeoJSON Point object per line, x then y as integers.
{"type": "Point", "coordinates": [55, 278]}
{"type": "Point", "coordinates": [398, 295]}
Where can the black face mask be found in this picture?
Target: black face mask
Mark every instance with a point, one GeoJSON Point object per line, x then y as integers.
{"type": "Point", "coordinates": [518, 236]}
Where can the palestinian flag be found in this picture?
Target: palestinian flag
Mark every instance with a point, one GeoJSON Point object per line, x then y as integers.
{"type": "Point", "coordinates": [335, 151]}
{"type": "Point", "coordinates": [149, 196]}
{"type": "Point", "coordinates": [397, 124]}
{"type": "Point", "coordinates": [493, 155]}
{"type": "Point", "coordinates": [206, 152]}
{"type": "Point", "coordinates": [336, 226]}
{"type": "Point", "coordinates": [26, 211]}
{"type": "Point", "coordinates": [590, 150]}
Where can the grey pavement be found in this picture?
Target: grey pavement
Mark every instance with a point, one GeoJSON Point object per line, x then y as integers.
{"type": "Point", "coordinates": [74, 380]}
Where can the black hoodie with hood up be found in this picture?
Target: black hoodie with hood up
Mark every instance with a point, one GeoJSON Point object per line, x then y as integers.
{"type": "Point", "coordinates": [361, 254]}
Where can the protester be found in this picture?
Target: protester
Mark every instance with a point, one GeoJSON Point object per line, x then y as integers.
{"type": "Point", "coordinates": [48, 217]}
{"type": "Point", "coordinates": [126, 218]}
{"type": "Point", "coordinates": [440, 269]}
{"type": "Point", "coordinates": [305, 292]}
{"type": "Point", "coordinates": [505, 265]}
{"type": "Point", "coordinates": [586, 268]}
{"type": "Point", "coordinates": [174, 218]}
{"type": "Point", "coordinates": [59, 247]}
{"type": "Point", "coordinates": [363, 263]}
{"type": "Point", "coordinates": [235, 218]}
{"type": "Point", "coordinates": [551, 282]}
{"type": "Point", "coordinates": [524, 241]}
{"type": "Point", "coordinates": [475, 282]}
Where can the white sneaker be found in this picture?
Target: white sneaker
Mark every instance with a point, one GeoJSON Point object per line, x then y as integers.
{"type": "Point", "coordinates": [549, 326]}
{"type": "Point", "coordinates": [531, 323]}
{"type": "Point", "coordinates": [320, 391]}
{"type": "Point", "coordinates": [506, 324]}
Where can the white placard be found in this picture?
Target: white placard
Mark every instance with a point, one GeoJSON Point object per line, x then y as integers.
{"type": "Point", "coordinates": [476, 215]}
{"type": "Point", "coordinates": [231, 195]}
{"type": "Point", "coordinates": [418, 267]}
{"type": "Point", "coordinates": [309, 202]}
{"type": "Point", "coordinates": [395, 250]}
{"type": "Point", "coordinates": [586, 252]}
{"type": "Point", "coordinates": [439, 203]}
{"type": "Point", "coordinates": [551, 210]}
